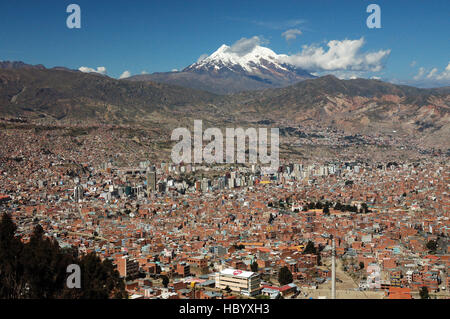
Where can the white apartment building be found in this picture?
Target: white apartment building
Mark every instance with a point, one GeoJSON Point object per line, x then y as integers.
{"type": "Point", "coordinates": [244, 282]}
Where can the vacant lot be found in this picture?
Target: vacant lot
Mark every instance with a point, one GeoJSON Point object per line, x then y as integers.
{"type": "Point", "coordinates": [344, 289]}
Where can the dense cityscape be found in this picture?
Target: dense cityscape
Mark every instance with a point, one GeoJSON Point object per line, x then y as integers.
{"type": "Point", "coordinates": [230, 231]}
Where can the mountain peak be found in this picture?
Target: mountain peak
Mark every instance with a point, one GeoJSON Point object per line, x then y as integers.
{"type": "Point", "coordinates": [248, 60]}
{"type": "Point", "coordinates": [222, 48]}
{"type": "Point", "coordinates": [257, 62]}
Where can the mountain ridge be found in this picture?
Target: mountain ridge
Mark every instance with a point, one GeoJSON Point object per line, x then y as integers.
{"type": "Point", "coordinates": [356, 106]}
{"type": "Point", "coordinates": [60, 94]}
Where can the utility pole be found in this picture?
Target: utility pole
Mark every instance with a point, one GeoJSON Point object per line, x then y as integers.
{"type": "Point", "coordinates": [333, 271]}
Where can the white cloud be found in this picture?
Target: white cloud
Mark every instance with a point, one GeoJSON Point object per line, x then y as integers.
{"type": "Point", "coordinates": [174, 70]}
{"type": "Point", "coordinates": [342, 55]}
{"type": "Point", "coordinates": [419, 74]}
{"type": "Point", "coordinates": [291, 34]}
{"type": "Point", "coordinates": [125, 74]}
{"type": "Point", "coordinates": [434, 74]}
{"type": "Point", "coordinates": [144, 72]}
{"type": "Point", "coordinates": [343, 74]}
{"type": "Point", "coordinates": [444, 75]}
{"type": "Point", "coordinates": [430, 78]}
{"type": "Point", "coordinates": [413, 64]}
{"type": "Point", "coordinates": [100, 70]}
{"type": "Point", "coordinates": [244, 45]}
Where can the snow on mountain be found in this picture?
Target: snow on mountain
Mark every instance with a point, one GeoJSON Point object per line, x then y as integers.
{"type": "Point", "coordinates": [260, 61]}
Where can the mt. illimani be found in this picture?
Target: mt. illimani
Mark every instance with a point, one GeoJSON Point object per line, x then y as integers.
{"type": "Point", "coordinates": [229, 71]}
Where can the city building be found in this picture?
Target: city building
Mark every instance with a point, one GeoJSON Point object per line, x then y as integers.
{"type": "Point", "coordinates": [244, 282]}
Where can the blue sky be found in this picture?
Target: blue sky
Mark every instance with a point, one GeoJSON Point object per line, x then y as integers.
{"type": "Point", "coordinates": [155, 36]}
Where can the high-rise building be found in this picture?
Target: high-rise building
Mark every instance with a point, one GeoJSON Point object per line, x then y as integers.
{"type": "Point", "coordinates": [231, 183]}
{"type": "Point", "coordinates": [205, 184]}
{"type": "Point", "coordinates": [183, 269]}
{"type": "Point", "coordinates": [151, 181]}
{"type": "Point", "coordinates": [78, 193]}
{"type": "Point", "coordinates": [198, 186]}
{"type": "Point", "coordinates": [140, 192]}
{"type": "Point", "coordinates": [127, 266]}
{"type": "Point", "coordinates": [161, 187]}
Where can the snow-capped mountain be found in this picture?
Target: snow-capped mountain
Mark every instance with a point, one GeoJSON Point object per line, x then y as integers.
{"type": "Point", "coordinates": [228, 70]}
{"type": "Point", "coordinates": [260, 62]}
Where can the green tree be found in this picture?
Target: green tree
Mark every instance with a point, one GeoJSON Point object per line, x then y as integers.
{"type": "Point", "coordinates": [165, 281]}
{"type": "Point", "coordinates": [99, 279]}
{"type": "Point", "coordinates": [432, 245]}
{"type": "Point", "coordinates": [364, 208]}
{"type": "Point", "coordinates": [309, 249]}
{"type": "Point", "coordinates": [424, 293]}
{"type": "Point", "coordinates": [284, 276]}
{"type": "Point", "coordinates": [44, 266]}
{"type": "Point", "coordinates": [38, 269]}
{"type": "Point", "coordinates": [12, 284]}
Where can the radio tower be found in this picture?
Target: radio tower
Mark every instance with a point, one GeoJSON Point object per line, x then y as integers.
{"type": "Point", "coordinates": [333, 271]}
